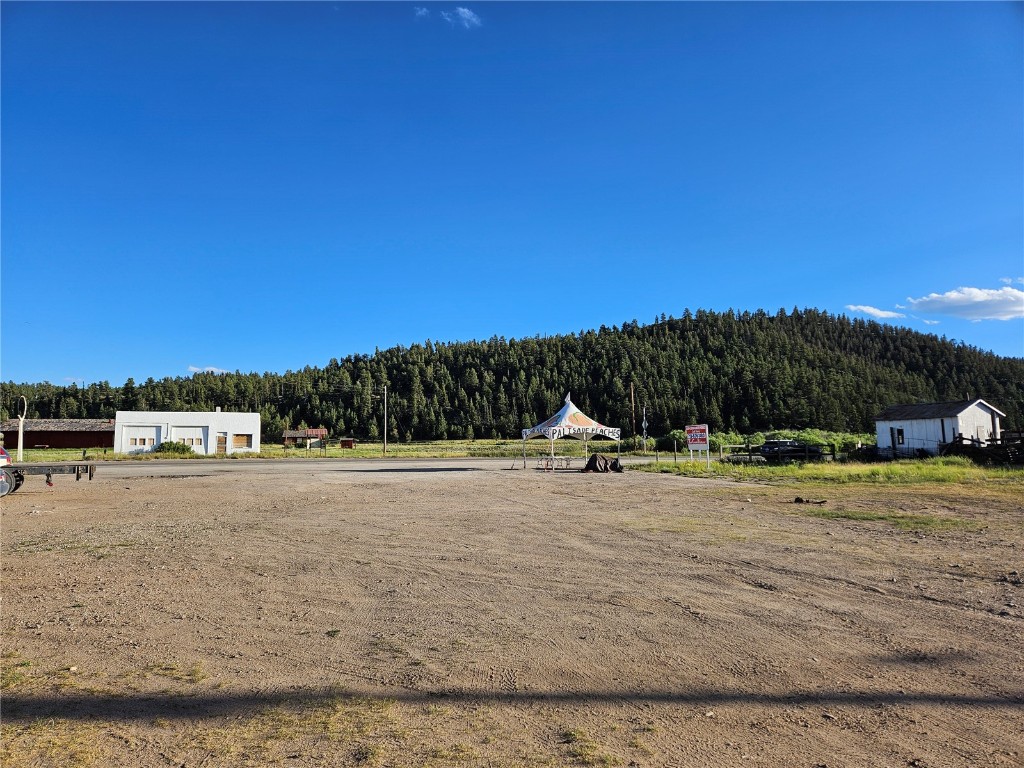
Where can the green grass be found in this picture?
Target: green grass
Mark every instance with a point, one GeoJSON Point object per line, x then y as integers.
{"type": "Point", "coordinates": [61, 454]}
{"type": "Point", "coordinates": [940, 470]}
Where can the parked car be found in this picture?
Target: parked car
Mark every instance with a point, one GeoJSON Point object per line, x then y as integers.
{"type": "Point", "coordinates": [789, 450]}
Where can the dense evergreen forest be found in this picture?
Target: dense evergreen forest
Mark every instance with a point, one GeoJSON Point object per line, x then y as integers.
{"type": "Point", "coordinates": [742, 372]}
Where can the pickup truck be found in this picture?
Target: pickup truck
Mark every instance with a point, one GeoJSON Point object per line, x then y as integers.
{"type": "Point", "coordinates": [789, 450]}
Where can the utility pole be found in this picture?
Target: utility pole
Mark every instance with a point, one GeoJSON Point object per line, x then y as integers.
{"type": "Point", "coordinates": [385, 420]}
{"type": "Point", "coordinates": [645, 429]}
{"type": "Point", "coordinates": [632, 406]}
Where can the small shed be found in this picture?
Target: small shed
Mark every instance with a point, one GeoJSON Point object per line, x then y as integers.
{"type": "Point", "coordinates": [923, 428]}
{"type": "Point", "coordinates": [305, 436]}
{"type": "Point", "coordinates": [60, 433]}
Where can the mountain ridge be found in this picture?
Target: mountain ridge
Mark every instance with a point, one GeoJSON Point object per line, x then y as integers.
{"type": "Point", "coordinates": [735, 371]}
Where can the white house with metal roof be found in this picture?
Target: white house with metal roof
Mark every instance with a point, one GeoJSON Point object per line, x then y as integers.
{"type": "Point", "coordinates": [204, 432]}
{"type": "Point", "coordinates": [912, 430]}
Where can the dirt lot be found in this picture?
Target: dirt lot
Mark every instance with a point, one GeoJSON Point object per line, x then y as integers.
{"type": "Point", "coordinates": [455, 615]}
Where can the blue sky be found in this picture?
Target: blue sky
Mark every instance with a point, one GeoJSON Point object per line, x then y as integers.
{"type": "Point", "coordinates": [265, 186]}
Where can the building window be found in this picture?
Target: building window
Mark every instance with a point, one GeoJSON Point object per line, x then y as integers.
{"type": "Point", "coordinates": [133, 441]}
{"type": "Point", "coordinates": [149, 441]}
{"type": "Point", "coordinates": [899, 437]}
{"type": "Point", "coordinates": [199, 441]}
{"type": "Point", "coordinates": [241, 441]}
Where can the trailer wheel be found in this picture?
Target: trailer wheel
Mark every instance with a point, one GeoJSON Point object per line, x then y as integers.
{"type": "Point", "coordinates": [8, 482]}
{"type": "Point", "coordinates": [19, 478]}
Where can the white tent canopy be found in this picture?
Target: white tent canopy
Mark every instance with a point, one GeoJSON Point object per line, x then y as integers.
{"type": "Point", "coordinates": [570, 421]}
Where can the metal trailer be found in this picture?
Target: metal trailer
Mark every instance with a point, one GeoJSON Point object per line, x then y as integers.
{"type": "Point", "coordinates": [12, 476]}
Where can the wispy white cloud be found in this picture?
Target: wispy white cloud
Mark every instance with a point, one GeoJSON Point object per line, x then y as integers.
{"type": "Point", "coordinates": [421, 12]}
{"type": "Point", "coordinates": [468, 18]}
{"type": "Point", "coordinates": [973, 303]}
{"type": "Point", "coordinates": [207, 369]}
{"type": "Point", "coordinates": [928, 322]}
{"type": "Point", "coordinates": [1011, 280]}
{"type": "Point", "coordinates": [462, 17]}
{"type": "Point", "coordinates": [881, 314]}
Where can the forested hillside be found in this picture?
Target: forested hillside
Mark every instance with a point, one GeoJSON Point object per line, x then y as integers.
{"type": "Point", "coordinates": [738, 372]}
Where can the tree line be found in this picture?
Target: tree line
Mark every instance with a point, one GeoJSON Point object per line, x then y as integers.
{"type": "Point", "coordinates": [738, 372]}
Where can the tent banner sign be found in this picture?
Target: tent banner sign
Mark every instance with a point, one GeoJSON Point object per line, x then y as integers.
{"type": "Point", "coordinates": [697, 437]}
{"type": "Point", "coordinates": [555, 433]}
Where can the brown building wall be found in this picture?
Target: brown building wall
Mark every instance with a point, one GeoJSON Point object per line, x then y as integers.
{"type": "Point", "coordinates": [62, 439]}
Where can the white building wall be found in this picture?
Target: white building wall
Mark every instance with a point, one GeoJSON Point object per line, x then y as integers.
{"type": "Point", "coordinates": [201, 428]}
{"type": "Point", "coordinates": [195, 436]}
{"type": "Point", "coordinates": [976, 422]}
{"type": "Point", "coordinates": [918, 434]}
{"type": "Point", "coordinates": [138, 438]}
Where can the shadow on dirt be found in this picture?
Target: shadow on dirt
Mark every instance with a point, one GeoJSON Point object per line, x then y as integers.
{"type": "Point", "coordinates": [947, 658]}
{"type": "Point", "coordinates": [83, 706]}
{"type": "Point", "coordinates": [409, 469]}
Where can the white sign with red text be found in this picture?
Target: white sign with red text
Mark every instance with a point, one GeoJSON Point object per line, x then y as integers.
{"type": "Point", "coordinates": [697, 437]}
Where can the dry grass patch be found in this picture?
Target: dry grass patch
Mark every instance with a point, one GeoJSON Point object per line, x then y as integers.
{"type": "Point", "coordinates": [54, 742]}
{"type": "Point", "coordinates": [584, 750]}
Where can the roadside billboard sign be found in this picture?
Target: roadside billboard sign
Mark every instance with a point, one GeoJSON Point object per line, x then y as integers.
{"type": "Point", "coordinates": [697, 437]}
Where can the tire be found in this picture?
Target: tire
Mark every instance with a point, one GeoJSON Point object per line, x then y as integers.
{"type": "Point", "coordinates": [8, 481]}
{"type": "Point", "coordinates": [19, 478]}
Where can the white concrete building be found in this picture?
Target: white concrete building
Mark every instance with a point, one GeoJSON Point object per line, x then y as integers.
{"type": "Point", "coordinates": [204, 432]}
{"type": "Point", "coordinates": [909, 430]}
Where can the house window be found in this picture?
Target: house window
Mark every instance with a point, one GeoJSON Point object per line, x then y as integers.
{"type": "Point", "coordinates": [133, 441]}
{"type": "Point", "coordinates": [149, 441]}
{"type": "Point", "coordinates": [899, 437]}
{"type": "Point", "coordinates": [241, 441]}
{"type": "Point", "coordinates": [199, 441]}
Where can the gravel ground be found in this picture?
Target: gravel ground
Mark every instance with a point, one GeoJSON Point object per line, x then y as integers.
{"type": "Point", "coordinates": [459, 613]}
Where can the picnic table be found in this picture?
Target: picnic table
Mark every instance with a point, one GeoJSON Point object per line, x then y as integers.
{"type": "Point", "coordinates": [548, 463]}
